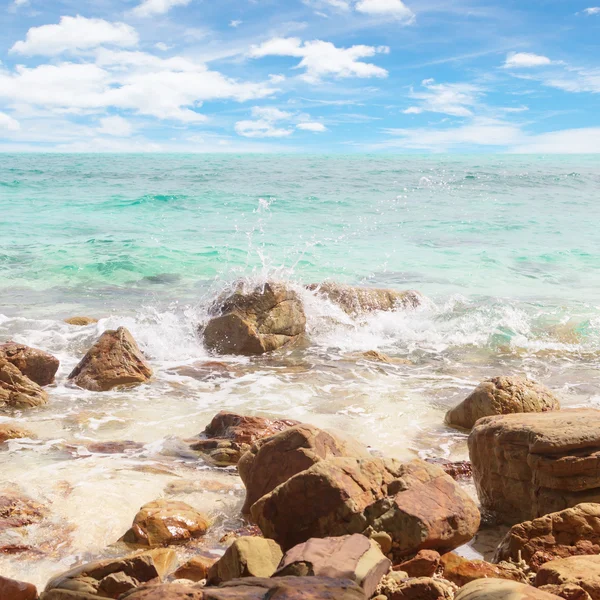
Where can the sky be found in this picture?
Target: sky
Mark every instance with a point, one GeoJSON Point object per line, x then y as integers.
{"type": "Point", "coordinates": [335, 76]}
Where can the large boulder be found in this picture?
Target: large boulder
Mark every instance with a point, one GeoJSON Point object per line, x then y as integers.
{"type": "Point", "coordinates": [529, 465]}
{"type": "Point", "coordinates": [256, 320]}
{"type": "Point", "coordinates": [38, 365]}
{"type": "Point", "coordinates": [501, 589]}
{"type": "Point", "coordinates": [571, 532]}
{"type": "Point", "coordinates": [115, 360]}
{"type": "Point", "coordinates": [12, 431]}
{"type": "Point", "coordinates": [355, 300]}
{"type": "Point", "coordinates": [17, 390]}
{"type": "Point", "coordinates": [460, 570]}
{"type": "Point", "coordinates": [273, 460]}
{"type": "Point", "coordinates": [229, 435]}
{"type": "Point", "coordinates": [582, 571]}
{"type": "Point", "coordinates": [16, 590]}
{"type": "Point", "coordinates": [417, 588]}
{"type": "Point", "coordinates": [352, 557]}
{"type": "Point", "coordinates": [416, 503]}
{"type": "Point", "coordinates": [502, 396]}
{"type": "Point", "coordinates": [164, 522]}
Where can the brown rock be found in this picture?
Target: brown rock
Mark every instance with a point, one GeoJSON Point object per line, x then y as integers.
{"type": "Point", "coordinates": [461, 571]}
{"type": "Point", "coordinates": [229, 435]}
{"type": "Point", "coordinates": [571, 532]}
{"type": "Point", "coordinates": [196, 569]}
{"type": "Point", "coordinates": [38, 365]}
{"type": "Point", "coordinates": [114, 361]}
{"type": "Point", "coordinates": [458, 470]}
{"type": "Point", "coordinates": [10, 431]}
{"type": "Point", "coordinates": [501, 589]}
{"type": "Point", "coordinates": [417, 504]}
{"type": "Point", "coordinates": [424, 564]}
{"type": "Point", "coordinates": [81, 321]}
{"type": "Point", "coordinates": [255, 321]}
{"type": "Point", "coordinates": [275, 459]}
{"type": "Point", "coordinates": [419, 588]}
{"type": "Point", "coordinates": [529, 465]}
{"type": "Point", "coordinates": [352, 557]}
{"type": "Point", "coordinates": [165, 522]}
{"type": "Point", "coordinates": [356, 300]}
{"type": "Point", "coordinates": [16, 590]}
{"type": "Point", "coordinates": [568, 591]}
{"type": "Point", "coordinates": [17, 510]}
{"type": "Point", "coordinates": [583, 571]}
{"type": "Point", "coordinates": [17, 390]}
{"type": "Point", "coordinates": [502, 396]}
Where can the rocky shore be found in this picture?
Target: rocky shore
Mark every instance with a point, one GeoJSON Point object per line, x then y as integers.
{"type": "Point", "coordinates": [324, 516]}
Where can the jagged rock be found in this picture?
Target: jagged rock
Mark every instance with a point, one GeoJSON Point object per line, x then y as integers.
{"type": "Point", "coordinates": [229, 435]}
{"type": "Point", "coordinates": [416, 503]}
{"type": "Point", "coordinates": [424, 564]}
{"type": "Point", "coordinates": [458, 470]}
{"type": "Point", "coordinates": [273, 460]}
{"type": "Point", "coordinates": [568, 591]}
{"type": "Point", "coordinates": [571, 532]}
{"type": "Point", "coordinates": [583, 571]}
{"type": "Point", "coordinates": [196, 569]}
{"type": "Point", "coordinates": [501, 589]}
{"type": "Point", "coordinates": [418, 588]}
{"type": "Point", "coordinates": [502, 396]}
{"type": "Point", "coordinates": [356, 300]}
{"type": "Point", "coordinates": [17, 510]}
{"type": "Point", "coordinates": [246, 557]}
{"type": "Point", "coordinates": [164, 522]}
{"type": "Point", "coordinates": [461, 570]}
{"type": "Point", "coordinates": [81, 321]}
{"type": "Point", "coordinates": [352, 557]}
{"type": "Point", "coordinates": [12, 431]}
{"type": "Point", "coordinates": [17, 390]}
{"type": "Point", "coordinates": [529, 465]}
{"type": "Point", "coordinates": [255, 321]}
{"type": "Point", "coordinates": [114, 361]}
{"type": "Point", "coordinates": [16, 590]}
{"type": "Point", "coordinates": [38, 365]}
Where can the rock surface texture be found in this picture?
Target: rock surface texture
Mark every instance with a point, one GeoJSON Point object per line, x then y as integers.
{"type": "Point", "coordinates": [81, 321]}
{"type": "Point", "coordinates": [12, 431]}
{"type": "Point", "coordinates": [529, 465]}
{"type": "Point", "coordinates": [582, 571]}
{"type": "Point", "coordinates": [502, 396]}
{"type": "Point", "coordinates": [114, 361]}
{"type": "Point", "coordinates": [461, 571]}
{"type": "Point", "coordinates": [255, 321]}
{"type": "Point", "coordinates": [17, 390]}
{"type": "Point", "coordinates": [16, 590]}
{"type": "Point", "coordinates": [38, 365]}
{"type": "Point", "coordinates": [500, 589]}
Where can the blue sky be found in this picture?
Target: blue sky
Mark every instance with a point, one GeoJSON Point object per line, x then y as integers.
{"type": "Point", "coordinates": [300, 76]}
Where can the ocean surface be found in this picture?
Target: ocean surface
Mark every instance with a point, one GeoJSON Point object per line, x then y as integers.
{"type": "Point", "coordinates": [505, 248]}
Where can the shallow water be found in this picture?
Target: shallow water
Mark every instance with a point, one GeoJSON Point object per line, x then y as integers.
{"type": "Point", "coordinates": [505, 249]}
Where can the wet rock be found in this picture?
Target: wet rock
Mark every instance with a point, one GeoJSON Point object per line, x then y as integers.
{"type": "Point", "coordinates": [38, 365]}
{"type": "Point", "coordinates": [81, 321]}
{"type": "Point", "coordinates": [418, 588]}
{"type": "Point", "coordinates": [208, 371]}
{"type": "Point", "coordinates": [424, 564]}
{"type": "Point", "coordinates": [114, 361]}
{"type": "Point", "coordinates": [245, 531]}
{"type": "Point", "coordinates": [356, 300]}
{"type": "Point", "coordinates": [417, 504]}
{"type": "Point", "coordinates": [352, 557]}
{"type": "Point", "coordinates": [502, 396]}
{"type": "Point", "coordinates": [583, 571]}
{"type": "Point", "coordinates": [18, 510]}
{"type": "Point", "coordinates": [461, 571]}
{"type": "Point", "coordinates": [246, 557]}
{"type": "Point", "coordinates": [164, 522]}
{"type": "Point", "coordinates": [568, 591]}
{"type": "Point", "coordinates": [571, 532]}
{"type": "Point", "coordinates": [529, 465]}
{"type": "Point", "coordinates": [196, 569]}
{"type": "Point", "coordinates": [12, 431]}
{"type": "Point", "coordinates": [458, 470]}
{"type": "Point", "coordinates": [255, 321]}
{"type": "Point", "coordinates": [229, 435]}
{"type": "Point", "coordinates": [112, 576]}
{"type": "Point", "coordinates": [273, 460]}
{"type": "Point", "coordinates": [114, 447]}
{"type": "Point", "coordinates": [501, 589]}
{"type": "Point", "coordinates": [16, 590]}
{"type": "Point", "coordinates": [17, 390]}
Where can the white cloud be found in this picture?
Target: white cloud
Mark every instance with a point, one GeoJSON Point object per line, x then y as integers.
{"type": "Point", "coordinates": [21, 2]}
{"type": "Point", "coordinates": [270, 113]}
{"type": "Point", "coordinates": [268, 123]}
{"type": "Point", "coordinates": [157, 7]}
{"type": "Point", "coordinates": [73, 34]}
{"type": "Point", "coordinates": [115, 126]}
{"type": "Point", "coordinates": [314, 127]}
{"type": "Point", "coordinates": [454, 99]}
{"type": "Point", "coordinates": [235, 24]}
{"type": "Point", "coordinates": [261, 129]}
{"type": "Point", "coordinates": [386, 8]}
{"type": "Point", "coordinates": [520, 60]}
{"type": "Point", "coordinates": [321, 59]}
{"type": "Point", "coordinates": [569, 141]}
{"type": "Point", "coordinates": [162, 46]}
{"type": "Point", "coordinates": [413, 110]}
{"type": "Point", "coordinates": [593, 10]}
{"type": "Point", "coordinates": [8, 123]}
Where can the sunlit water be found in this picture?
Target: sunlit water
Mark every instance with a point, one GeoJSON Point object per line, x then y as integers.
{"type": "Point", "coordinates": [505, 249]}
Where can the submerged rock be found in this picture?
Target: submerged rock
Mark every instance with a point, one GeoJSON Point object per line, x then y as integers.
{"type": "Point", "coordinates": [114, 361]}
{"type": "Point", "coordinates": [17, 390]}
{"type": "Point", "coordinates": [582, 571]}
{"type": "Point", "coordinates": [12, 431]}
{"type": "Point", "coordinates": [18, 510]}
{"type": "Point", "coordinates": [255, 321]}
{"type": "Point", "coordinates": [501, 589]}
{"type": "Point", "coordinates": [16, 590]}
{"type": "Point", "coordinates": [81, 321]}
{"type": "Point", "coordinates": [38, 365]}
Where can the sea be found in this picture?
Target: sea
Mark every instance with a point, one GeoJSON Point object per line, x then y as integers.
{"type": "Point", "coordinates": [505, 249]}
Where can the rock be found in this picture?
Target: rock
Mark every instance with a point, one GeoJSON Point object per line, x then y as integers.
{"type": "Point", "coordinates": [17, 510]}
{"type": "Point", "coordinates": [458, 470]}
{"type": "Point", "coordinates": [81, 321]}
{"type": "Point", "coordinates": [111, 576]}
{"type": "Point", "coordinates": [418, 588]}
{"type": "Point", "coordinates": [461, 571]}
{"type": "Point", "coordinates": [571, 532]}
{"type": "Point", "coordinates": [229, 435]}
{"type": "Point", "coordinates": [583, 571]}
{"type": "Point", "coordinates": [376, 356]}
{"type": "Point", "coordinates": [275, 459]}
{"type": "Point", "coordinates": [356, 300]}
{"type": "Point", "coordinates": [252, 588]}
{"type": "Point", "coordinates": [501, 589]}
{"type": "Point", "coordinates": [115, 360]}
{"type": "Point", "coordinates": [255, 321]}
{"type": "Point", "coordinates": [16, 590]}
{"type": "Point", "coordinates": [529, 465]}
{"type": "Point", "coordinates": [196, 569]}
{"type": "Point", "coordinates": [424, 564]}
{"type": "Point", "coordinates": [17, 390]}
{"type": "Point", "coordinates": [417, 504]}
{"type": "Point", "coordinates": [165, 522]}
{"type": "Point", "coordinates": [352, 557]}
{"type": "Point", "coordinates": [38, 365]}
{"type": "Point", "coordinates": [246, 557]}
{"type": "Point", "coordinates": [568, 591]}
{"type": "Point", "coordinates": [502, 396]}
{"type": "Point", "coordinates": [12, 431]}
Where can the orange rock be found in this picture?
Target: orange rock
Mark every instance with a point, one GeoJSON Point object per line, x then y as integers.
{"type": "Point", "coordinates": [461, 571]}
{"type": "Point", "coordinates": [16, 590]}
{"type": "Point", "coordinates": [424, 564]}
